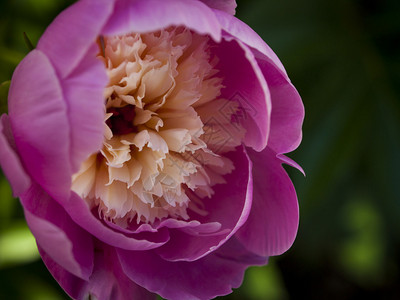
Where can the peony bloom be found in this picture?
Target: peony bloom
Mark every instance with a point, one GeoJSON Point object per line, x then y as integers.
{"type": "Point", "coordinates": [145, 139]}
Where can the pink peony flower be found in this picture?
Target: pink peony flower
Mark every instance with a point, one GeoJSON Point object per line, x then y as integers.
{"type": "Point", "coordinates": [145, 139]}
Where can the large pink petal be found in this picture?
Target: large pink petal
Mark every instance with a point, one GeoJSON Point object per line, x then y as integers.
{"type": "Point", "coordinates": [153, 15]}
{"type": "Point", "coordinates": [110, 282]}
{"type": "Point", "coordinates": [229, 206]}
{"type": "Point", "coordinates": [65, 242]}
{"type": "Point", "coordinates": [243, 32]}
{"type": "Point", "coordinates": [106, 282]}
{"type": "Point", "coordinates": [38, 116]}
{"type": "Point", "coordinates": [9, 160]}
{"type": "Point", "coordinates": [84, 217]}
{"type": "Point", "coordinates": [228, 6]}
{"type": "Point", "coordinates": [213, 275]}
{"type": "Point", "coordinates": [74, 286]}
{"type": "Point", "coordinates": [84, 95]}
{"type": "Point", "coordinates": [273, 221]}
{"type": "Point", "coordinates": [245, 84]}
{"type": "Point", "coordinates": [69, 37]}
{"type": "Point", "coordinates": [287, 109]}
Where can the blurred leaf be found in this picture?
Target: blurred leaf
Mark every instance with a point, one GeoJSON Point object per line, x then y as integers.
{"type": "Point", "coordinates": [7, 203]}
{"type": "Point", "coordinates": [4, 87]}
{"type": "Point", "coordinates": [40, 290]}
{"type": "Point", "coordinates": [362, 252]}
{"type": "Point", "coordinates": [265, 283]}
{"type": "Point", "coordinates": [10, 56]}
{"type": "Point", "coordinates": [17, 245]}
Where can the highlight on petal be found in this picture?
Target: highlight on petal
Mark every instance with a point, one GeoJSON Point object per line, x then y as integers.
{"type": "Point", "coordinates": [273, 220]}
{"type": "Point", "coordinates": [38, 117]}
{"type": "Point", "coordinates": [9, 160]}
{"type": "Point", "coordinates": [152, 15]}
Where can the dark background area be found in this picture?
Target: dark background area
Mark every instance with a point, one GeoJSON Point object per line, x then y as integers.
{"type": "Point", "coordinates": [344, 58]}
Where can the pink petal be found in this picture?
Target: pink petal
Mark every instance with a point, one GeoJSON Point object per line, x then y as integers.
{"type": "Point", "coordinates": [286, 160]}
{"type": "Point", "coordinates": [106, 282]}
{"type": "Point", "coordinates": [9, 160]}
{"type": "Point", "coordinates": [241, 31]}
{"type": "Point", "coordinates": [245, 84]}
{"type": "Point", "coordinates": [84, 95]}
{"type": "Point", "coordinates": [287, 110]}
{"type": "Point", "coordinates": [74, 286]}
{"type": "Point", "coordinates": [55, 232]}
{"type": "Point", "coordinates": [69, 37]}
{"type": "Point", "coordinates": [153, 15]}
{"type": "Point", "coordinates": [38, 117]}
{"type": "Point", "coordinates": [192, 227]}
{"type": "Point", "coordinates": [273, 221]}
{"type": "Point", "coordinates": [229, 206]}
{"type": "Point", "coordinates": [213, 275]}
{"type": "Point", "coordinates": [228, 6]}
{"type": "Point", "coordinates": [84, 217]}
{"type": "Point", "coordinates": [110, 282]}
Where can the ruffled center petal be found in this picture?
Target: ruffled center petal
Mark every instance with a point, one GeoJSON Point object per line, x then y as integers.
{"type": "Point", "coordinates": [166, 129]}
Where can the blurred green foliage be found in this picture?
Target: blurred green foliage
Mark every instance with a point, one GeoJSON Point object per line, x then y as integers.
{"type": "Point", "coordinates": [344, 58]}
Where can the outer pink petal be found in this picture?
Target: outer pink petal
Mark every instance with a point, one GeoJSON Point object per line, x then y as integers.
{"type": "Point", "coordinates": [69, 37]}
{"type": "Point", "coordinates": [153, 15]}
{"type": "Point", "coordinates": [287, 110]}
{"type": "Point", "coordinates": [228, 6]}
{"type": "Point", "coordinates": [213, 275]}
{"type": "Point", "coordinates": [245, 84]}
{"type": "Point", "coordinates": [81, 214]}
{"type": "Point", "coordinates": [74, 286]}
{"type": "Point", "coordinates": [290, 162]}
{"type": "Point", "coordinates": [9, 160]}
{"type": "Point", "coordinates": [84, 95]}
{"type": "Point", "coordinates": [110, 282]}
{"type": "Point", "coordinates": [236, 28]}
{"type": "Point", "coordinates": [273, 221]}
{"type": "Point", "coordinates": [107, 281]}
{"type": "Point", "coordinates": [38, 117]}
{"type": "Point", "coordinates": [230, 206]}
{"type": "Point", "coordinates": [65, 242]}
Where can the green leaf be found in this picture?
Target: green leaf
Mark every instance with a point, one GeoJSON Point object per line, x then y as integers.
{"type": "Point", "coordinates": [28, 42]}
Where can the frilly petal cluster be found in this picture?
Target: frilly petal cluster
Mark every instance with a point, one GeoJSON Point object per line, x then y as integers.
{"type": "Point", "coordinates": [145, 140]}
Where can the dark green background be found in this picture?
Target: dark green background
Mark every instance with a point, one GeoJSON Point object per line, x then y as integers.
{"type": "Point", "coordinates": [344, 58]}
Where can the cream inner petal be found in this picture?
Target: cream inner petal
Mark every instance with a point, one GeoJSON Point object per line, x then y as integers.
{"type": "Point", "coordinates": [166, 129]}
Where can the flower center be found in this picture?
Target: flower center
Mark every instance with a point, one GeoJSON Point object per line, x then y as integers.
{"type": "Point", "coordinates": [121, 120]}
{"type": "Point", "coordinates": [166, 129]}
